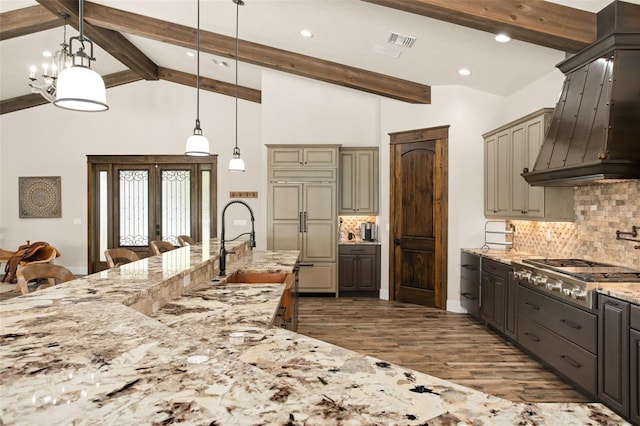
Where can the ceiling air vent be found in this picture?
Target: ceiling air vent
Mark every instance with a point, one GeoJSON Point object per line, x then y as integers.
{"type": "Point", "coordinates": [401, 39]}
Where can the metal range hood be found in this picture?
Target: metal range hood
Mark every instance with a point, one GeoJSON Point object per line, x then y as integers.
{"type": "Point", "coordinates": [594, 133]}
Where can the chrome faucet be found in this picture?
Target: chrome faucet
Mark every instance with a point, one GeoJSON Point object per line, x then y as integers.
{"type": "Point", "coordinates": [252, 235]}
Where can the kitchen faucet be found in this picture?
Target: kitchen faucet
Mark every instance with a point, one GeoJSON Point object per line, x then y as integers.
{"type": "Point", "coordinates": [252, 235]}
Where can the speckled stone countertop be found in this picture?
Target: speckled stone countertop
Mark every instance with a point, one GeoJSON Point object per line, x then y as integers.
{"type": "Point", "coordinates": [502, 256]}
{"type": "Point", "coordinates": [629, 292]}
{"type": "Point", "coordinates": [83, 353]}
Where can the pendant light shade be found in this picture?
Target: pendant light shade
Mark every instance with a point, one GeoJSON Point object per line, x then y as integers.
{"type": "Point", "coordinates": [197, 145]}
{"type": "Point", "coordinates": [236, 164]}
{"type": "Point", "coordinates": [81, 89]}
{"type": "Point", "coordinates": [78, 87]}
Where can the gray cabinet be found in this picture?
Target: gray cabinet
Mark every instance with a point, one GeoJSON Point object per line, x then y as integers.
{"type": "Point", "coordinates": [358, 181]}
{"type": "Point", "coordinates": [508, 151]}
{"type": "Point", "coordinates": [302, 211]}
{"type": "Point", "coordinates": [303, 156]}
{"type": "Point", "coordinates": [613, 355]}
{"type": "Point", "coordinates": [634, 365]}
{"type": "Point", "coordinates": [359, 268]}
{"type": "Point", "coordinates": [493, 288]}
{"type": "Point", "coordinates": [470, 283]}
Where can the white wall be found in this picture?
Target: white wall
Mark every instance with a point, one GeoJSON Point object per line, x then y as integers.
{"type": "Point", "coordinates": [144, 118]}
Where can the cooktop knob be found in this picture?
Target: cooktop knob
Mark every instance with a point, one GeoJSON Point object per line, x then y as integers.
{"type": "Point", "coordinates": [555, 285]}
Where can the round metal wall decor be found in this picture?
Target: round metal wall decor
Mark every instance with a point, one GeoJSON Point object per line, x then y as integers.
{"type": "Point", "coordinates": [40, 197]}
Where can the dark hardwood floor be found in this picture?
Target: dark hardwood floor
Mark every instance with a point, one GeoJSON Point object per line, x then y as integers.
{"type": "Point", "coordinates": [443, 344]}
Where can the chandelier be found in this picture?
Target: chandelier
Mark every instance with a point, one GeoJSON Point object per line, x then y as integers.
{"type": "Point", "coordinates": [50, 70]}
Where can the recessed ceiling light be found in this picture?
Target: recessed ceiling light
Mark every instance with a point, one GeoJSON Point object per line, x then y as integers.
{"type": "Point", "coordinates": [503, 38]}
{"type": "Point", "coordinates": [191, 54]}
{"type": "Point", "coordinates": [306, 33]}
{"type": "Point", "coordinates": [464, 71]}
{"type": "Point", "coordinates": [47, 54]}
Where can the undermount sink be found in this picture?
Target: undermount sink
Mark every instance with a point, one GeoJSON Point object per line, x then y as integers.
{"type": "Point", "coordinates": [256, 278]}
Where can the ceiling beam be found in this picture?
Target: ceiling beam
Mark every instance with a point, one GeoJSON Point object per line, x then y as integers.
{"type": "Point", "coordinates": [210, 84]}
{"type": "Point", "coordinates": [111, 41]}
{"type": "Point", "coordinates": [257, 54]}
{"type": "Point", "coordinates": [534, 21]}
{"type": "Point", "coordinates": [33, 19]}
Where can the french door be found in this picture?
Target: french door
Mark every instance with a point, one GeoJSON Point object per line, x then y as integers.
{"type": "Point", "coordinates": [134, 199]}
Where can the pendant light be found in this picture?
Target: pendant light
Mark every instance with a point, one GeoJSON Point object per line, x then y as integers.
{"type": "Point", "coordinates": [237, 164]}
{"type": "Point", "coordinates": [78, 87]}
{"type": "Point", "coordinates": [197, 144]}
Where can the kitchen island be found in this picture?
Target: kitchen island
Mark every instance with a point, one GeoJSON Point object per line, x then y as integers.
{"type": "Point", "coordinates": [150, 343]}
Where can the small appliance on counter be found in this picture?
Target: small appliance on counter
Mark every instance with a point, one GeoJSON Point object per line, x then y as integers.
{"type": "Point", "coordinates": [368, 231]}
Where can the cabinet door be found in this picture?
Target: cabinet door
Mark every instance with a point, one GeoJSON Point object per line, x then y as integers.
{"type": "Point", "coordinates": [613, 354]}
{"type": "Point", "coordinates": [510, 306]}
{"type": "Point", "coordinates": [366, 272]}
{"type": "Point", "coordinates": [285, 217]}
{"type": "Point", "coordinates": [347, 182]}
{"type": "Point", "coordinates": [535, 131]}
{"type": "Point", "coordinates": [497, 175]}
{"type": "Point", "coordinates": [319, 222]}
{"type": "Point", "coordinates": [319, 278]}
{"type": "Point", "coordinates": [519, 186]}
{"type": "Point", "coordinates": [366, 182]}
{"type": "Point", "coordinates": [347, 272]}
{"type": "Point", "coordinates": [320, 157]}
{"type": "Point", "coordinates": [286, 157]}
{"type": "Point", "coordinates": [499, 298]}
{"type": "Point", "coordinates": [486, 290]}
{"type": "Point", "coordinates": [634, 377]}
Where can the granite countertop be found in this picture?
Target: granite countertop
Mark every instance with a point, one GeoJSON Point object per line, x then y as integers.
{"type": "Point", "coordinates": [629, 292]}
{"type": "Point", "coordinates": [503, 256]}
{"type": "Point", "coordinates": [84, 353]}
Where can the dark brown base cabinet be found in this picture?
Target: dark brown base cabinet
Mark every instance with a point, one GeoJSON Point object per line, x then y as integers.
{"type": "Point", "coordinates": [634, 367]}
{"type": "Point", "coordinates": [560, 335]}
{"type": "Point", "coordinates": [470, 283]}
{"type": "Point", "coordinates": [359, 268]}
{"type": "Point", "coordinates": [495, 305]}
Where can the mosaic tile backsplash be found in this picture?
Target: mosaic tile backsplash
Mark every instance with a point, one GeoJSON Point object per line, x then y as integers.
{"type": "Point", "coordinates": [352, 224]}
{"type": "Point", "coordinates": [600, 210]}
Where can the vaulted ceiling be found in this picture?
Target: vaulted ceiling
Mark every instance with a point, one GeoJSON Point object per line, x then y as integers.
{"type": "Point", "coordinates": [148, 39]}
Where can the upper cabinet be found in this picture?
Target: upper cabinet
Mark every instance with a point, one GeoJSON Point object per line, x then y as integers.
{"type": "Point", "coordinates": [308, 156]}
{"type": "Point", "coordinates": [508, 151]}
{"type": "Point", "coordinates": [358, 181]}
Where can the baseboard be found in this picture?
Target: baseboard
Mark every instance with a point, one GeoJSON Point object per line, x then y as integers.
{"type": "Point", "coordinates": [384, 293]}
{"type": "Point", "coordinates": [455, 306]}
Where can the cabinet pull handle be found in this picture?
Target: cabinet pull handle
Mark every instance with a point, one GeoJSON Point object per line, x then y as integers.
{"type": "Point", "coordinates": [532, 336]}
{"type": "Point", "coordinates": [300, 221]}
{"type": "Point", "coordinates": [571, 324]}
{"type": "Point", "coordinates": [305, 264]}
{"type": "Point", "coordinates": [532, 306]}
{"type": "Point", "coordinates": [305, 221]}
{"type": "Point", "coordinates": [572, 362]}
{"type": "Point", "coordinates": [469, 296]}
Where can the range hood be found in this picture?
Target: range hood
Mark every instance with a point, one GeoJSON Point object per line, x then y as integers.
{"type": "Point", "coordinates": [594, 133]}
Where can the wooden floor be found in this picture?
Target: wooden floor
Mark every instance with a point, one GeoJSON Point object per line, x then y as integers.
{"type": "Point", "coordinates": [443, 344]}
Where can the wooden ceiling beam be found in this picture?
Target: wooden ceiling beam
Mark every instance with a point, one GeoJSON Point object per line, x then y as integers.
{"type": "Point", "coordinates": [34, 99]}
{"type": "Point", "coordinates": [257, 54]}
{"type": "Point", "coordinates": [534, 21]}
{"type": "Point", "coordinates": [32, 19]}
{"type": "Point", "coordinates": [210, 84]}
{"type": "Point", "coordinates": [111, 41]}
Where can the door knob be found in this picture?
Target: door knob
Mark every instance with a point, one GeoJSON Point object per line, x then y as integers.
{"type": "Point", "coordinates": [397, 241]}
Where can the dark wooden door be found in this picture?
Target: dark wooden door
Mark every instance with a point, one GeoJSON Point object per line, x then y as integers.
{"type": "Point", "coordinates": [418, 257]}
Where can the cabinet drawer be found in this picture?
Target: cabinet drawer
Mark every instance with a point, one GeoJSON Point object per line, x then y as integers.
{"type": "Point", "coordinates": [573, 324]}
{"type": "Point", "coordinates": [470, 266]}
{"type": "Point", "coordinates": [573, 362]}
{"type": "Point", "coordinates": [634, 317]}
{"type": "Point", "coordinates": [357, 249]}
{"type": "Point", "coordinates": [495, 268]}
